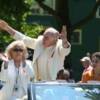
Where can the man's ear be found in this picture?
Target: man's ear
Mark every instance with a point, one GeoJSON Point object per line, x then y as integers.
{"type": "Point", "coordinates": [58, 36]}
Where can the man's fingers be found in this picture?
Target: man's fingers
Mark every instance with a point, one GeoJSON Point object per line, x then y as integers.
{"type": "Point", "coordinates": [64, 30]}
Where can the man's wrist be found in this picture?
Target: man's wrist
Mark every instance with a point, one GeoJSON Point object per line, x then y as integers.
{"type": "Point", "coordinates": [10, 30]}
{"type": "Point", "coordinates": [64, 40]}
{"type": "Point", "coordinates": [66, 44]}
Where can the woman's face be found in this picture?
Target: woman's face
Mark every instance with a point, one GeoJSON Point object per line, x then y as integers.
{"type": "Point", "coordinates": [17, 53]}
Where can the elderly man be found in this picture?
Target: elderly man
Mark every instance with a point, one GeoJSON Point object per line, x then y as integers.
{"type": "Point", "coordinates": [49, 50]}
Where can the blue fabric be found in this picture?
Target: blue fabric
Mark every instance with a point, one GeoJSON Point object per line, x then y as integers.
{"type": "Point", "coordinates": [63, 92]}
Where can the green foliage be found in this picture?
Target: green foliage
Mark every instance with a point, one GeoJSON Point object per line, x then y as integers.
{"type": "Point", "coordinates": [13, 8]}
{"type": "Point", "coordinates": [32, 30]}
{"type": "Point", "coordinates": [29, 2]}
{"type": "Point", "coordinates": [5, 39]}
{"type": "Point", "coordinates": [15, 12]}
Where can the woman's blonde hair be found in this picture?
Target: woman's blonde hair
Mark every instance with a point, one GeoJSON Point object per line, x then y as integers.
{"type": "Point", "coordinates": [13, 45]}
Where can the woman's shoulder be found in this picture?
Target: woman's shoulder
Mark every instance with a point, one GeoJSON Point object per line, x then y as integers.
{"type": "Point", "coordinates": [29, 67]}
{"type": "Point", "coordinates": [28, 62]}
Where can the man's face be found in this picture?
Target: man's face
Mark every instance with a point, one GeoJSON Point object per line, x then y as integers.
{"type": "Point", "coordinates": [48, 39]}
{"type": "Point", "coordinates": [96, 62]}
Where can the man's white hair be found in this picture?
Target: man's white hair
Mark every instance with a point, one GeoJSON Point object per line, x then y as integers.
{"type": "Point", "coordinates": [51, 30]}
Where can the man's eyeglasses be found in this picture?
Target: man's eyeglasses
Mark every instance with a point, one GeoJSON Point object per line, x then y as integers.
{"type": "Point", "coordinates": [18, 50]}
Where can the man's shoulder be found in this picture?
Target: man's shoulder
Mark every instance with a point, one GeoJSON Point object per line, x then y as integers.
{"type": "Point", "coordinates": [59, 42]}
{"type": "Point", "coordinates": [40, 37]}
{"type": "Point", "coordinates": [28, 62]}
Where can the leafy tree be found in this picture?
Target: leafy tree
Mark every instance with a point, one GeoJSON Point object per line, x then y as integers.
{"type": "Point", "coordinates": [61, 13]}
{"type": "Point", "coordinates": [32, 28]}
{"type": "Point", "coordinates": [15, 13]}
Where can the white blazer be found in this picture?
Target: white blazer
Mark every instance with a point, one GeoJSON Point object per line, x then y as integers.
{"type": "Point", "coordinates": [36, 44]}
{"type": "Point", "coordinates": [9, 77]}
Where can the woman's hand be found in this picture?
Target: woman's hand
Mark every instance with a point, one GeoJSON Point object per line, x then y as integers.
{"type": "Point", "coordinates": [3, 57]}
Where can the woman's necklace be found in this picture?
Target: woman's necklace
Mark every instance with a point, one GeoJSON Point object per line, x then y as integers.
{"type": "Point", "coordinates": [16, 86]}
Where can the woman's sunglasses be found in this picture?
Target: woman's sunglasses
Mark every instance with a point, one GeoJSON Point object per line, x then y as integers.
{"type": "Point", "coordinates": [18, 50]}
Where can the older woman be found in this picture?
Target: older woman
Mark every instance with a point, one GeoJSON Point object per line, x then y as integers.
{"type": "Point", "coordinates": [17, 72]}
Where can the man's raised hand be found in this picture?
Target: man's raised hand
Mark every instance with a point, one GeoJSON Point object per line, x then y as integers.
{"type": "Point", "coordinates": [64, 36]}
